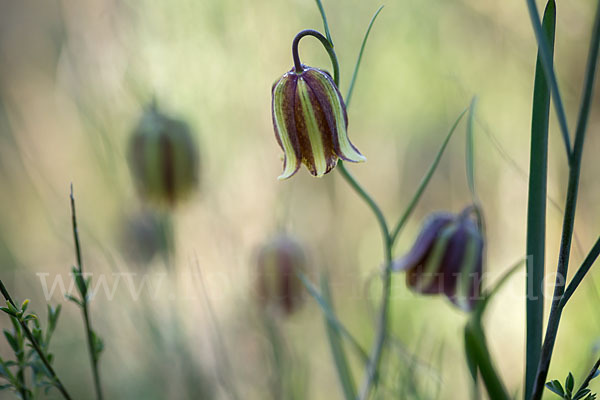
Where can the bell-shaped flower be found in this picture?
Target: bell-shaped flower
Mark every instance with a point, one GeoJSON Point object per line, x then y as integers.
{"type": "Point", "coordinates": [163, 158]}
{"type": "Point", "coordinates": [278, 263]}
{"type": "Point", "coordinates": [311, 123]}
{"type": "Point", "coordinates": [446, 258]}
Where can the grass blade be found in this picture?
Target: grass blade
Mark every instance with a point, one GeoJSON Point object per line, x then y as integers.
{"type": "Point", "coordinates": [545, 57]}
{"type": "Point", "coordinates": [470, 150]}
{"type": "Point", "coordinates": [477, 350]}
{"type": "Point", "coordinates": [536, 207]}
{"type": "Point", "coordinates": [331, 317]}
{"type": "Point", "coordinates": [359, 59]}
{"type": "Point", "coordinates": [424, 182]}
{"type": "Point", "coordinates": [325, 24]}
{"type": "Point", "coordinates": [337, 349]}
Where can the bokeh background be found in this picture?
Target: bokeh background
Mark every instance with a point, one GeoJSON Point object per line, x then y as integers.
{"type": "Point", "coordinates": [74, 78]}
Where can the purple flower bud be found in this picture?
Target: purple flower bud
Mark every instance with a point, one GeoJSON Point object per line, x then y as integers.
{"type": "Point", "coordinates": [278, 285]}
{"type": "Point", "coordinates": [446, 259]}
{"type": "Point", "coordinates": [310, 121]}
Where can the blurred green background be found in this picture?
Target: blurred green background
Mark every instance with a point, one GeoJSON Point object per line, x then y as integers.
{"type": "Point", "coordinates": [74, 78]}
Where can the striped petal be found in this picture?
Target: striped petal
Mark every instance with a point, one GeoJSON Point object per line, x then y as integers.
{"type": "Point", "coordinates": [424, 242]}
{"type": "Point", "coordinates": [315, 136]}
{"type": "Point", "coordinates": [428, 277]}
{"type": "Point", "coordinates": [282, 105]}
{"type": "Point", "coordinates": [331, 100]}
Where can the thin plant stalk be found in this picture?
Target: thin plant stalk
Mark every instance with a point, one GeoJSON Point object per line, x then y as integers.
{"type": "Point", "coordinates": [84, 306]}
{"type": "Point", "coordinates": [569, 216]}
{"type": "Point", "coordinates": [57, 382]}
{"type": "Point", "coordinates": [581, 273]}
{"type": "Point", "coordinates": [382, 324]}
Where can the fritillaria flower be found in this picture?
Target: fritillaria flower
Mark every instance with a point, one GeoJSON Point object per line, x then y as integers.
{"type": "Point", "coordinates": [278, 285]}
{"type": "Point", "coordinates": [446, 259]}
{"type": "Point", "coordinates": [310, 121]}
{"type": "Point", "coordinates": [163, 158]}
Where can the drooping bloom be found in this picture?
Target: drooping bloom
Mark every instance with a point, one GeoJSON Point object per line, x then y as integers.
{"type": "Point", "coordinates": [278, 285]}
{"type": "Point", "coordinates": [311, 123]}
{"type": "Point", "coordinates": [446, 259]}
{"type": "Point", "coordinates": [142, 237]}
{"type": "Point", "coordinates": [163, 158]}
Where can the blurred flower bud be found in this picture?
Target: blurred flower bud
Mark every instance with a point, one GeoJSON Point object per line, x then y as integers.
{"type": "Point", "coordinates": [143, 237]}
{"type": "Point", "coordinates": [277, 282]}
{"type": "Point", "coordinates": [446, 259]}
{"type": "Point", "coordinates": [310, 121]}
{"type": "Point", "coordinates": [163, 158]}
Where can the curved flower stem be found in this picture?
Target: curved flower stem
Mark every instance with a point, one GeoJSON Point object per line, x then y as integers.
{"type": "Point", "coordinates": [382, 323]}
{"type": "Point", "coordinates": [372, 368]}
{"type": "Point", "coordinates": [328, 47]}
{"type": "Point", "coordinates": [369, 200]}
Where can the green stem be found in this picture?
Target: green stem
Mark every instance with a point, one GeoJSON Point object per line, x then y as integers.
{"type": "Point", "coordinates": [362, 193]}
{"type": "Point", "coordinates": [382, 325]}
{"type": "Point", "coordinates": [536, 208]}
{"type": "Point", "coordinates": [57, 382]}
{"type": "Point", "coordinates": [581, 272]}
{"type": "Point", "coordinates": [84, 306]}
{"type": "Point", "coordinates": [326, 44]}
{"type": "Point", "coordinates": [569, 216]}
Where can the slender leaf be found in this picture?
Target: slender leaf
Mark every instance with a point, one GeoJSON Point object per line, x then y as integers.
{"type": "Point", "coordinates": [359, 59]}
{"type": "Point", "coordinates": [424, 182]}
{"type": "Point", "coordinates": [556, 387]}
{"type": "Point", "coordinates": [325, 24]}
{"type": "Point", "coordinates": [337, 349]}
{"type": "Point", "coordinates": [495, 288]}
{"type": "Point", "coordinates": [470, 151]}
{"type": "Point", "coordinates": [332, 318]}
{"type": "Point", "coordinates": [585, 267]}
{"type": "Point", "coordinates": [545, 57]}
{"type": "Point", "coordinates": [477, 350]}
{"type": "Point", "coordinates": [536, 207]}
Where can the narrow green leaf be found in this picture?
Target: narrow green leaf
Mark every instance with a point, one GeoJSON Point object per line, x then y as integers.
{"type": "Point", "coordinates": [472, 364]}
{"type": "Point", "coordinates": [581, 394]}
{"type": "Point", "coordinates": [489, 294]}
{"type": "Point", "coordinates": [569, 384]}
{"type": "Point", "coordinates": [332, 318]}
{"type": "Point", "coordinates": [12, 341]}
{"type": "Point", "coordinates": [325, 24]}
{"type": "Point", "coordinates": [424, 182]}
{"type": "Point", "coordinates": [470, 150]}
{"type": "Point", "coordinates": [359, 59]}
{"type": "Point", "coordinates": [477, 350]}
{"type": "Point", "coordinates": [536, 206]}
{"type": "Point", "coordinates": [73, 299]}
{"type": "Point", "coordinates": [545, 58]}
{"type": "Point", "coordinates": [556, 387]}
{"type": "Point", "coordinates": [585, 267]}
{"type": "Point", "coordinates": [337, 349]}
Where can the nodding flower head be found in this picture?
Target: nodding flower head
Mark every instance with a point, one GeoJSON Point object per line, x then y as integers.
{"type": "Point", "coordinates": [278, 285]}
{"type": "Point", "coordinates": [446, 259]}
{"type": "Point", "coordinates": [310, 121]}
{"type": "Point", "coordinates": [163, 158]}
